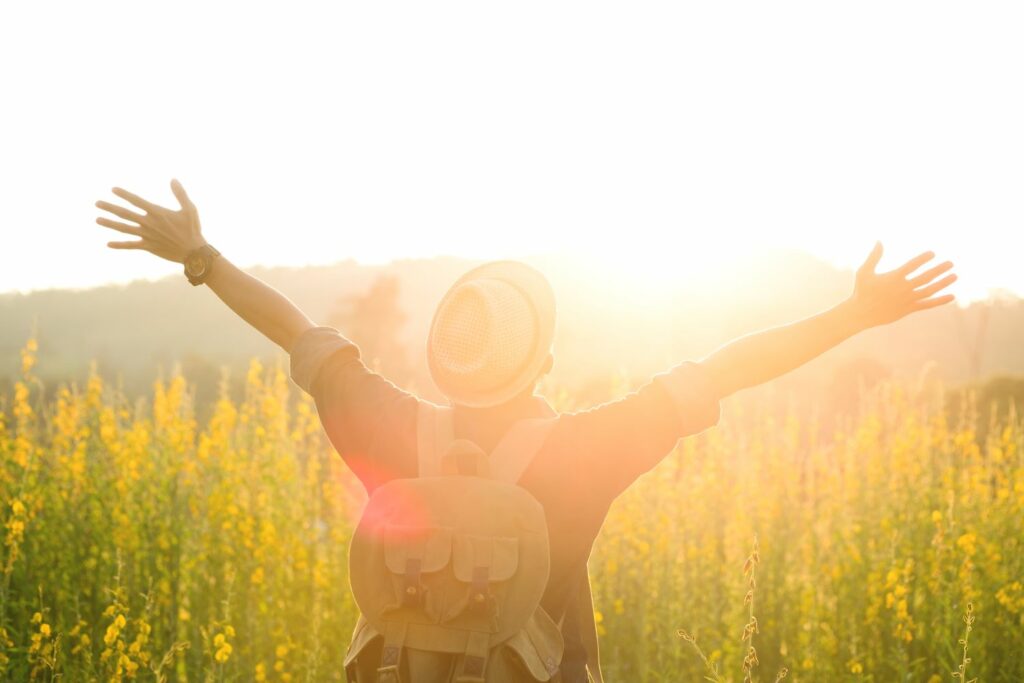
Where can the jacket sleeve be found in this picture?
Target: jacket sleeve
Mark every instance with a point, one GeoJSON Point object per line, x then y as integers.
{"type": "Point", "coordinates": [369, 421]}
{"type": "Point", "coordinates": [620, 440]}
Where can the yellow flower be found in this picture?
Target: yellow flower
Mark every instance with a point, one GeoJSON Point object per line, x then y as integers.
{"type": "Point", "coordinates": [257, 576]}
{"type": "Point", "coordinates": [28, 355]}
{"type": "Point", "coordinates": [966, 542]}
{"type": "Point", "coordinates": [223, 653]}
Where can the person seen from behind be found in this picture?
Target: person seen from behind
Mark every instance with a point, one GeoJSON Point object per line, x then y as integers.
{"type": "Point", "coordinates": [473, 565]}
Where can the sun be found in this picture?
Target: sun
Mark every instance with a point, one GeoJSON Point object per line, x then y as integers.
{"type": "Point", "coordinates": [650, 272]}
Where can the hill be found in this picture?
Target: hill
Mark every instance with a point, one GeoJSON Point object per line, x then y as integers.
{"type": "Point", "coordinates": [609, 332]}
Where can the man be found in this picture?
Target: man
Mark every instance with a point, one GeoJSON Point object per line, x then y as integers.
{"type": "Point", "coordinates": [489, 344]}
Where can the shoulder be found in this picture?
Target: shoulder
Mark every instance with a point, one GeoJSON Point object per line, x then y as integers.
{"type": "Point", "coordinates": [689, 390]}
{"type": "Point", "coordinates": [610, 445]}
{"type": "Point", "coordinates": [313, 350]}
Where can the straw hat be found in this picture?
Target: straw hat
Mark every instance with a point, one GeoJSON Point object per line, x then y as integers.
{"type": "Point", "coordinates": [491, 334]}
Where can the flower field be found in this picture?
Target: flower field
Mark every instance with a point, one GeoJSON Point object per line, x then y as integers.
{"type": "Point", "coordinates": [140, 544]}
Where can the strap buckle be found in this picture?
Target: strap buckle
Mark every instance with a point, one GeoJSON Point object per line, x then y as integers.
{"type": "Point", "coordinates": [474, 663]}
{"type": "Point", "coordinates": [391, 654]}
{"type": "Point", "coordinates": [481, 601]}
{"type": "Point", "coordinates": [388, 674]}
{"type": "Point", "coordinates": [412, 594]}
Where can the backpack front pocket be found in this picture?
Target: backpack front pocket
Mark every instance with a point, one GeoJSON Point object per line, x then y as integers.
{"type": "Point", "coordinates": [417, 559]}
{"type": "Point", "coordinates": [482, 566]}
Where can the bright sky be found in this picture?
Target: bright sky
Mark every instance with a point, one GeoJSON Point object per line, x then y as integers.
{"type": "Point", "coordinates": [659, 136]}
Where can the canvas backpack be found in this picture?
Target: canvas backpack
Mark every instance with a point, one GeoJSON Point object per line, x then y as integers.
{"type": "Point", "coordinates": [448, 568]}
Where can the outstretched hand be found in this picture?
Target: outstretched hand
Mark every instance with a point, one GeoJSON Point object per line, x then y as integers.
{"type": "Point", "coordinates": [168, 233]}
{"type": "Point", "coordinates": [882, 298]}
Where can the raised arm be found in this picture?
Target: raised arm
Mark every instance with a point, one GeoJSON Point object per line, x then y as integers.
{"type": "Point", "coordinates": [173, 234]}
{"type": "Point", "coordinates": [877, 299]}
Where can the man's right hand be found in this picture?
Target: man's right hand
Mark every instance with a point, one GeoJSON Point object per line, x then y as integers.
{"type": "Point", "coordinates": [174, 234]}
{"type": "Point", "coordinates": [169, 234]}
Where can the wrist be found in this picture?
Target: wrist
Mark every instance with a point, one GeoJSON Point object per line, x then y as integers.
{"type": "Point", "coordinates": [852, 318]}
{"type": "Point", "coordinates": [192, 246]}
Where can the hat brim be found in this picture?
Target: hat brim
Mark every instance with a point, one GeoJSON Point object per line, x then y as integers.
{"type": "Point", "coordinates": [536, 288]}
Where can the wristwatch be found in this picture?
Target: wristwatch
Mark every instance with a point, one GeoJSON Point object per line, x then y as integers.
{"type": "Point", "coordinates": [199, 263]}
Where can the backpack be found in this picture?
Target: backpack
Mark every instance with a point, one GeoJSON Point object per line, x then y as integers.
{"type": "Point", "coordinates": [448, 568]}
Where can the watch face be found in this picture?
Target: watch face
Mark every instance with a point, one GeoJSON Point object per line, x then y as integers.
{"type": "Point", "coordinates": [195, 265]}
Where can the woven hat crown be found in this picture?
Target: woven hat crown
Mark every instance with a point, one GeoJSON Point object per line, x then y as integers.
{"type": "Point", "coordinates": [484, 333]}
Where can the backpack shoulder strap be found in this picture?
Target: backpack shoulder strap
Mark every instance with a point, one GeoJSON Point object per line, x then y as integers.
{"type": "Point", "coordinates": [517, 448]}
{"type": "Point", "coordinates": [434, 433]}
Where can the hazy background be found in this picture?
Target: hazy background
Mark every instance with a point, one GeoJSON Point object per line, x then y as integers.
{"type": "Point", "coordinates": [682, 172]}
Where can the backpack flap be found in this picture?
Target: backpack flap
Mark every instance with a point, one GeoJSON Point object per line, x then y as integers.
{"type": "Point", "coordinates": [430, 546]}
{"type": "Point", "coordinates": [499, 555]}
